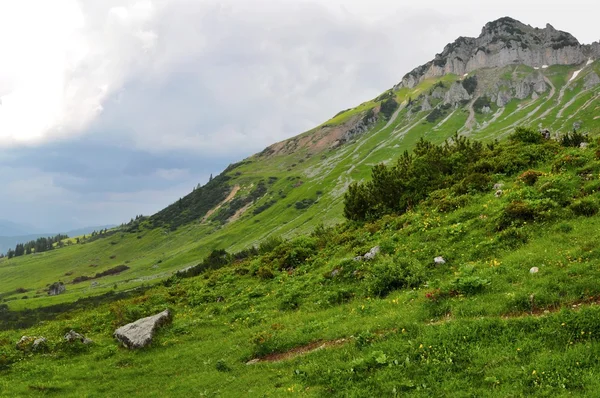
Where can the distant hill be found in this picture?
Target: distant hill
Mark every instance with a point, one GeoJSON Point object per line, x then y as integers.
{"type": "Point", "coordinates": [7, 242]}
{"type": "Point", "coordinates": [9, 228]}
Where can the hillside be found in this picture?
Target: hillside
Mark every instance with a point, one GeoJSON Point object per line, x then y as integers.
{"type": "Point", "coordinates": [265, 253]}
{"type": "Point", "coordinates": [509, 310]}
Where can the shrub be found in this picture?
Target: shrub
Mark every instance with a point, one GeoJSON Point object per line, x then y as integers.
{"type": "Point", "coordinates": [573, 139]}
{"type": "Point", "coordinates": [265, 273]}
{"type": "Point", "coordinates": [392, 275]}
{"type": "Point", "coordinates": [585, 207]}
{"type": "Point", "coordinates": [221, 366]}
{"type": "Point", "coordinates": [474, 182]}
{"type": "Point", "coordinates": [526, 135]}
{"type": "Point", "coordinates": [470, 84]}
{"type": "Point", "coordinates": [469, 285]}
{"type": "Point", "coordinates": [530, 177]}
{"type": "Point", "coordinates": [388, 107]}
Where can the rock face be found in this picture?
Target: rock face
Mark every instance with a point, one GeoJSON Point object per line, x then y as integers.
{"type": "Point", "coordinates": [140, 333]}
{"type": "Point", "coordinates": [502, 43]}
{"type": "Point", "coordinates": [457, 93]}
{"type": "Point", "coordinates": [56, 288]}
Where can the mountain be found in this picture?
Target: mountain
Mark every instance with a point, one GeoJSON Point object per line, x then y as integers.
{"type": "Point", "coordinates": [438, 240]}
{"type": "Point", "coordinates": [9, 228]}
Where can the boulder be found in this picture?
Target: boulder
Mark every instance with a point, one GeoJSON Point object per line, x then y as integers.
{"type": "Point", "coordinates": [372, 253]}
{"type": "Point", "coordinates": [498, 186]}
{"type": "Point", "coordinates": [73, 336]}
{"type": "Point", "coordinates": [583, 145]}
{"type": "Point", "coordinates": [25, 343]}
{"type": "Point", "coordinates": [40, 344]}
{"type": "Point", "coordinates": [439, 260]}
{"type": "Point", "coordinates": [499, 193]}
{"type": "Point", "coordinates": [139, 334]}
{"type": "Point", "coordinates": [534, 270]}
{"type": "Point", "coordinates": [56, 288]}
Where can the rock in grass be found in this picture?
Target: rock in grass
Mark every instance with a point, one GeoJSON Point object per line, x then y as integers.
{"type": "Point", "coordinates": [534, 270]}
{"type": "Point", "coordinates": [56, 288]}
{"type": "Point", "coordinates": [40, 344]}
{"type": "Point", "coordinates": [372, 253]}
{"type": "Point", "coordinates": [73, 336]}
{"type": "Point", "coordinates": [25, 343]}
{"type": "Point", "coordinates": [439, 260]}
{"type": "Point", "coordinates": [499, 193]}
{"type": "Point", "coordinates": [498, 186]}
{"type": "Point", "coordinates": [140, 333]}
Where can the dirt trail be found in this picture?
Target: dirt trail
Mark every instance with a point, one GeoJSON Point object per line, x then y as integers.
{"type": "Point", "coordinates": [322, 344]}
{"type": "Point", "coordinates": [227, 200]}
{"type": "Point", "coordinates": [295, 352]}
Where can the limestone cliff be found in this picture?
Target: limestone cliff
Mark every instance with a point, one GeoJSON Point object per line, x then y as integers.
{"type": "Point", "coordinates": [501, 43]}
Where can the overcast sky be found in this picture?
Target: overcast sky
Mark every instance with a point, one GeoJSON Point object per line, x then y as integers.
{"type": "Point", "coordinates": [110, 108]}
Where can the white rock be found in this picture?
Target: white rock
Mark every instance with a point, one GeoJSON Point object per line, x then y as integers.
{"type": "Point", "coordinates": [498, 186]}
{"type": "Point", "coordinates": [499, 193]}
{"type": "Point", "coordinates": [139, 334]}
{"type": "Point", "coordinates": [439, 260]}
{"type": "Point", "coordinates": [534, 270]}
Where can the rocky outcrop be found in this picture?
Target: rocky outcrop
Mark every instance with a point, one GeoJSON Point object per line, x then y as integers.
{"type": "Point", "coordinates": [502, 43]}
{"type": "Point", "coordinates": [140, 333]}
{"type": "Point", "coordinates": [456, 94]}
{"type": "Point", "coordinates": [591, 80]}
{"type": "Point", "coordinates": [425, 105]}
{"type": "Point", "coordinates": [56, 288]}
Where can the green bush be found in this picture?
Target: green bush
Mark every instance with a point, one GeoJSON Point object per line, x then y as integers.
{"type": "Point", "coordinates": [390, 275]}
{"type": "Point", "coordinates": [527, 135]}
{"type": "Point", "coordinates": [470, 84]}
{"type": "Point", "coordinates": [585, 207]}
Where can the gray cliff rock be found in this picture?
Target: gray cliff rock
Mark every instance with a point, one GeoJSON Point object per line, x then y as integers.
{"type": "Point", "coordinates": [457, 93]}
{"type": "Point", "coordinates": [502, 43]}
{"type": "Point", "coordinates": [140, 333]}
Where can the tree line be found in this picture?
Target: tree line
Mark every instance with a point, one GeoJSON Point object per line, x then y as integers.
{"type": "Point", "coordinates": [39, 245]}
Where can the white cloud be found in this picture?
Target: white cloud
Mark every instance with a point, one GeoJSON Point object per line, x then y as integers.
{"type": "Point", "coordinates": [62, 63]}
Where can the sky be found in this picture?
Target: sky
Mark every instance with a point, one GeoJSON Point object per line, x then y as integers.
{"type": "Point", "coordinates": [110, 109]}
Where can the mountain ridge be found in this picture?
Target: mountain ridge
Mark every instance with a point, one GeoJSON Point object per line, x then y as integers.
{"type": "Point", "coordinates": [504, 42]}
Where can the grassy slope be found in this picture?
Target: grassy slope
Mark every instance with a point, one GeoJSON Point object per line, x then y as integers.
{"type": "Point", "coordinates": [520, 334]}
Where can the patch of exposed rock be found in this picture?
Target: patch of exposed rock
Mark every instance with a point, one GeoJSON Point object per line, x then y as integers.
{"type": "Point", "coordinates": [456, 94]}
{"type": "Point", "coordinates": [591, 80]}
{"type": "Point", "coordinates": [502, 43]}
{"type": "Point", "coordinates": [140, 333]}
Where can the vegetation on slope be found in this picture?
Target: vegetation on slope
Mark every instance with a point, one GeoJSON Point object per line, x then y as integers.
{"type": "Point", "coordinates": [480, 324]}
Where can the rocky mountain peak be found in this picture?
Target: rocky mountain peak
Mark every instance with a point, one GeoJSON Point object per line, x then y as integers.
{"type": "Point", "coordinates": [504, 42]}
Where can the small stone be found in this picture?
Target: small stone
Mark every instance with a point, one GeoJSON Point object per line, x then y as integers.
{"type": "Point", "coordinates": [358, 258]}
{"type": "Point", "coordinates": [335, 273]}
{"type": "Point", "coordinates": [498, 186]}
{"type": "Point", "coordinates": [73, 336]}
{"type": "Point", "coordinates": [439, 260]}
{"type": "Point", "coordinates": [25, 343]}
{"type": "Point", "coordinates": [253, 361]}
{"type": "Point", "coordinates": [583, 145]}
{"type": "Point", "coordinates": [499, 193]}
{"type": "Point", "coordinates": [534, 270]}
